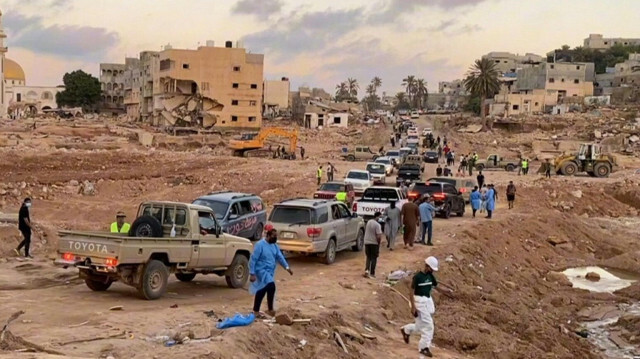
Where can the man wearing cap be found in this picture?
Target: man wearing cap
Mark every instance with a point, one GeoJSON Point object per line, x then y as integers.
{"type": "Point", "coordinates": [262, 268]}
{"type": "Point", "coordinates": [422, 306]}
{"type": "Point", "coordinates": [120, 226]}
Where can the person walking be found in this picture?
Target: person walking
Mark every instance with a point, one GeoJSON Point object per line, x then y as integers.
{"type": "Point", "coordinates": [393, 141]}
{"type": "Point", "coordinates": [25, 226]}
{"type": "Point", "coordinates": [439, 153]}
{"type": "Point", "coordinates": [319, 174]}
{"type": "Point", "coordinates": [483, 195]}
{"type": "Point", "coordinates": [525, 166]}
{"type": "Point", "coordinates": [490, 201]}
{"type": "Point", "coordinates": [438, 171]}
{"type": "Point", "coordinates": [480, 178]}
{"type": "Point", "coordinates": [476, 200]}
{"type": "Point", "coordinates": [471, 163]}
{"type": "Point", "coordinates": [392, 215]}
{"type": "Point", "coordinates": [422, 306]}
{"type": "Point", "coordinates": [446, 171]}
{"type": "Point", "coordinates": [410, 219]}
{"type": "Point", "coordinates": [262, 269]}
{"type": "Point", "coordinates": [120, 226]}
{"type": "Point", "coordinates": [547, 170]}
{"type": "Point", "coordinates": [511, 194]}
{"type": "Point", "coordinates": [426, 217]}
{"type": "Point", "coordinates": [302, 151]}
{"type": "Point", "coordinates": [372, 239]}
{"type": "Point", "coordinates": [330, 171]}
{"type": "Point", "coordinates": [519, 165]}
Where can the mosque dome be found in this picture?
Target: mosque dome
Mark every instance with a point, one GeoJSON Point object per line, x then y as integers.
{"type": "Point", "coordinates": [13, 71]}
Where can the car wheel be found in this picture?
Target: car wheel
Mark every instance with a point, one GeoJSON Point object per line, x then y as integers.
{"type": "Point", "coordinates": [510, 168]}
{"type": "Point", "coordinates": [447, 211]}
{"type": "Point", "coordinates": [601, 170]}
{"type": "Point", "coordinates": [98, 285]}
{"type": "Point", "coordinates": [359, 241]}
{"type": "Point", "coordinates": [330, 252]}
{"type": "Point", "coordinates": [185, 277]}
{"type": "Point", "coordinates": [154, 280]}
{"type": "Point", "coordinates": [351, 158]}
{"type": "Point", "coordinates": [238, 272]}
{"type": "Point", "coordinates": [257, 235]}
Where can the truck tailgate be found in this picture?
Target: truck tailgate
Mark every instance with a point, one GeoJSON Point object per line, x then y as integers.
{"type": "Point", "coordinates": [88, 244]}
{"type": "Point", "coordinates": [369, 208]}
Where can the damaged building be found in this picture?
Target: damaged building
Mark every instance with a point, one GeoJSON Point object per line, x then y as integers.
{"type": "Point", "coordinates": [210, 86]}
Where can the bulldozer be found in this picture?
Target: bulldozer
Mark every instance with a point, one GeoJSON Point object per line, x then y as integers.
{"type": "Point", "coordinates": [253, 144]}
{"type": "Point", "coordinates": [589, 159]}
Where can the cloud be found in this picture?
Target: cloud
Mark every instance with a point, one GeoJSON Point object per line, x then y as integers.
{"type": "Point", "coordinates": [443, 25]}
{"type": "Point", "coordinates": [466, 29]}
{"type": "Point", "coordinates": [396, 8]}
{"type": "Point", "coordinates": [30, 32]}
{"type": "Point", "coordinates": [299, 33]}
{"type": "Point", "coordinates": [262, 9]}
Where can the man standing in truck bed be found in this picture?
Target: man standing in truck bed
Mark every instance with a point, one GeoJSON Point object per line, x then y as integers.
{"type": "Point", "coordinates": [120, 226]}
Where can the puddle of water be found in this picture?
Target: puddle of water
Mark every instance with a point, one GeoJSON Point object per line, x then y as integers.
{"type": "Point", "coordinates": [599, 332]}
{"type": "Point", "coordinates": [610, 279]}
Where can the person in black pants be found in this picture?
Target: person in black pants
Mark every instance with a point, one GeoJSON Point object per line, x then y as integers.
{"type": "Point", "coordinates": [24, 225]}
{"type": "Point", "coordinates": [372, 239]}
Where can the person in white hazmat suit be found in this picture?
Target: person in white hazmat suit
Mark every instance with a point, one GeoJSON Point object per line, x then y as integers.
{"type": "Point", "coordinates": [422, 306]}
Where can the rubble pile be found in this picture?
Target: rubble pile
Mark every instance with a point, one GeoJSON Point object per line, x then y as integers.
{"type": "Point", "coordinates": [188, 111]}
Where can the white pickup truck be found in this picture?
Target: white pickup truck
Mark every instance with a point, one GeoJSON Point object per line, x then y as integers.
{"type": "Point", "coordinates": [377, 199]}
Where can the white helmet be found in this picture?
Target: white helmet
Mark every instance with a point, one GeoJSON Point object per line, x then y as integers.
{"type": "Point", "coordinates": [432, 262]}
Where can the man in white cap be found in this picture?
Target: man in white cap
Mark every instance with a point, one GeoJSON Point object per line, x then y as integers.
{"type": "Point", "coordinates": [422, 306]}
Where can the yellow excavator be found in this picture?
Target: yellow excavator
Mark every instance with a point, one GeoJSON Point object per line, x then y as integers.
{"type": "Point", "coordinates": [590, 159]}
{"type": "Point", "coordinates": [253, 144]}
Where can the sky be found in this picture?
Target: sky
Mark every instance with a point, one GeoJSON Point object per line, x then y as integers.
{"type": "Point", "coordinates": [314, 43]}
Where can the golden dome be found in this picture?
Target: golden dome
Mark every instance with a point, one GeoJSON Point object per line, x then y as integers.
{"type": "Point", "coordinates": [13, 71]}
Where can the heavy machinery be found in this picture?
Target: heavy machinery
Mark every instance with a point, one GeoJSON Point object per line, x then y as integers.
{"type": "Point", "coordinates": [253, 144]}
{"type": "Point", "coordinates": [589, 159]}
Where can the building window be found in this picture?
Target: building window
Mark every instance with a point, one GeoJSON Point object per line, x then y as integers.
{"type": "Point", "coordinates": [235, 86]}
{"type": "Point", "coordinates": [254, 86]}
{"type": "Point", "coordinates": [236, 68]}
{"type": "Point", "coordinates": [552, 80]}
{"type": "Point", "coordinates": [204, 86]}
{"type": "Point", "coordinates": [185, 66]}
{"type": "Point", "coordinates": [252, 103]}
{"type": "Point", "coordinates": [252, 118]}
{"type": "Point", "coordinates": [562, 80]}
{"type": "Point", "coordinates": [165, 64]}
{"type": "Point", "coordinates": [606, 42]}
{"type": "Point", "coordinates": [516, 107]}
{"type": "Point", "coordinates": [497, 61]}
{"type": "Point", "coordinates": [553, 67]}
{"type": "Point", "coordinates": [234, 118]}
{"type": "Point", "coordinates": [577, 67]}
{"type": "Point", "coordinates": [234, 102]}
{"type": "Point", "coordinates": [576, 81]}
{"type": "Point", "coordinates": [536, 104]}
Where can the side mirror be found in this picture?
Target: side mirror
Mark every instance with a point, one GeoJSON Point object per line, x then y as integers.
{"type": "Point", "coordinates": [218, 231]}
{"type": "Point", "coordinates": [354, 215]}
{"type": "Point", "coordinates": [233, 216]}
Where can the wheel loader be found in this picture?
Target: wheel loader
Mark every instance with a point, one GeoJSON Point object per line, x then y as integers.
{"type": "Point", "coordinates": [589, 159]}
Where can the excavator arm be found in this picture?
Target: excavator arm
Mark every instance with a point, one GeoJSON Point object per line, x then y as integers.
{"type": "Point", "coordinates": [259, 140]}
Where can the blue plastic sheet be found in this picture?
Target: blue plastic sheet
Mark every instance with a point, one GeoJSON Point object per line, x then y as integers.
{"type": "Point", "coordinates": [238, 320]}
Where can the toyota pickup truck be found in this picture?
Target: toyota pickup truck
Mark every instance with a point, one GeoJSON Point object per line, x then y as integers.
{"type": "Point", "coordinates": [496, 162]}
{"type": "Point", "coordinates": [377, 199]}
{"type": "Point", "coordinates": [166, 237]}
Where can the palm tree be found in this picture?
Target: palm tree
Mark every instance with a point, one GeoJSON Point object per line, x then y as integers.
{"type": "Point", "coordinates": [409, 83]}
{"type": "Point", "coordinates": [352, 87]}
{"type": "Point", "coordinates": [376, 82]}
{"type": "Point", "coordinates": [482, 81]}
{"type": "Point", "coordinates": [402, 100]}
{"type": "Point", "coordinates": [421, 93]}
{"type": "Point", "coordinates": [371, 89]}
{"type": "Point", "coordinates": [342, 91]}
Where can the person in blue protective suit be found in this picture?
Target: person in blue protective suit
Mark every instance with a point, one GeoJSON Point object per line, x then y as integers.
{"type": "Point", "coordinates": [476, 200]}
{"type": "Point", "coordinates": [491, 201]}
{"type": "Point", "coordinates": [262, 268]}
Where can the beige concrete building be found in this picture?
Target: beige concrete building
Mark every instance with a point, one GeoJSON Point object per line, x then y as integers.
{"type": "Point", "coordinates": [228, 75]}
{"type": "Point", "coordinates": [570, 79]}
{"type": "Point", "coordinates": [138, 85]}
{"type": "Point", "coordinates": [112, 86]}
{"type": "Point", "coordinates": [276, 93]}
{"type": "Point", "coordinates": [599, 42]}
{"type": "Point", "coordinates": [455, 87]}
{"type": "Point", "coordinates": [507, 62]}
{"type": "Point", "coordinates": [513, 104]}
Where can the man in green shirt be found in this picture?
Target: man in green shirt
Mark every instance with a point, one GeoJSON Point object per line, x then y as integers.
{"type": "Point", "coordinates": [422, 306]}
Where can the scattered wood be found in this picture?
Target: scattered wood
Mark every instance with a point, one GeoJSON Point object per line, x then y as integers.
{"type": "Point", "coordinates": [10, 342]}
{"type": "Point", "coordinates": [122, 335]}
{"type": "Point", "coordinates": [117, 307]}
{"type": "Point", "coordinates": [402, 295]}
{"type": "Point", "coordinates": [368, 336]}
{"type": "Point", "coordinates": [294, 321]}
{"type": "Point", "coordinates": [5, 327]}
{"type": "Point", "coordinates": [340, 342]}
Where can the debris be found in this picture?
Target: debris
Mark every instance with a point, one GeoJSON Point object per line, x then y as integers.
{"type": "Point", "coordinates": [398, 275]}
{"type": "Point", "coordinates": [79, 324]}
{"type": "Point", "coordinates": [284, 319]}
{"type": "Point", "coordinates": [347, 285]}
{"type": "Point", "coordinates": [555, 240]}
{"type": "Point", "coordinates": [340, 342]}
{"type": "Point", "coordinates": [368, 336]}
{"type": "Point", "coordinates": [116, 307]}
{"type": "Point", "coordinates": [121, 335]}
{"type": "Point", "coordinates": [471, 129]}
{"type": "Point", "coordinates": [402, 295]}
{"type": "Point", "coordinates": [174, 306]}
{"type": "Point", "coordinates": [302, 343]}
{"type": "Point", "coordinates": [577, 193]}
{"type": "Point", "coordinates": [592, 276]}
{"type": "Point", "coordinates": [349, 333]}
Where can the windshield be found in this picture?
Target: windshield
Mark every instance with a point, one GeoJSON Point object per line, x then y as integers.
{"type": "Point", "coordinates": [409, 168]}
{"type": "Point", "coordinates": [380, 194]}
{"type": "Point", "coordinates": [384, 161]}
{"type": "Point", "coordinates": [443, 179]}
{"type": "Point", "coordinates": [219, 208]}
{"type": "Point", "coordinates": [432, 154]}
{"type": "Point", "coordinates": [358, 175]}
{"type": "Point", "coordinates": [375, 168]}
{"type": "Point", "coordinates": [428, 188]}
{"type": "Point", "coordinates": [412, 137]}
{"type": "Point", "coordinates": [290, 215]}
{"type": "Point", "coordinates": [332, 187]}
{"type": "Point", "coordinates": [393, 153]}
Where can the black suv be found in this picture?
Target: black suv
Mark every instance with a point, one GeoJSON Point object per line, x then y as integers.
{"type": "Point", "coordinates": [408, 172]}
{"type": "Point", "coordinates": [446, 197]}
{"type": "Point", "coordinates": [431, 157]}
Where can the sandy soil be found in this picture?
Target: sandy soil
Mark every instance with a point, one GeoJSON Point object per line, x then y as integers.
{"type": "Point", "coordinates": [507, 303]}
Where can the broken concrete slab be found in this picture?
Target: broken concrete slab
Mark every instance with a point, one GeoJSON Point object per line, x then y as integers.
{"type": "Point", "coordinates": [145, 138]}
{"type": "Point", "coordinates": [192, 104]}
{"type": "Point", "coordinates": [471, 129]}
{"type": "Point", "coordinates": [172, 103]}
{"type": "Point", "coordinates": [169, 117]}
{"type": "Point", "coordinates": [209, 104]}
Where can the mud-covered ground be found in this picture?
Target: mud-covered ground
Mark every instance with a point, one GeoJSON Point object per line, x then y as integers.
{"type": "Point", "coordinates": [508, 300]}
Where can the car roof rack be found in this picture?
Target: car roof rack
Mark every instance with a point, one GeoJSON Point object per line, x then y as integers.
{"type": "Point", "coordinates": [219, 192]}
{"type": "Point", "coordinates": [243, 195]}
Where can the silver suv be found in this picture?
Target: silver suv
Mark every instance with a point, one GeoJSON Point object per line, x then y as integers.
{"type": "Point", "coordinates": [314, 226]}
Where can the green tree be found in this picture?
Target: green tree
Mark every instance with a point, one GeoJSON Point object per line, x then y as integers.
{"type": "Point", "coordinates": [421, 93]}
{"type": "Point", "coordinates": [353, 87]}
{"type": "Point", "coordinates": [409, 84]}
{"type": "Point", "coordinates": [482, 81]}
{"type": "Point", "coordinates": [342, 91]}
{"type": "Point", "coordinates": [81, 90]}
{"type": "Point", "coordinates": [403, 104]}
{"type": "Point", "coordinates": [376, 82]}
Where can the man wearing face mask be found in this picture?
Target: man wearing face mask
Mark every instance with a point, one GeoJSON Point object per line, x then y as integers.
{"type": "Point", "coordinates": [24, 225]}
{"type": "Point", "coordinates": [262, 268]}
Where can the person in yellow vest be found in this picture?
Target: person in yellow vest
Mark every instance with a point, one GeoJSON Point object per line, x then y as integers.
{"type": "Point", "coordinates": [319, 175]}
{"type": "Point", "coordinates": [525, 166]}
{"type": "Point", "coordinates": [120, 226]}
{"type": "Point", "coordinates": [341, 196]}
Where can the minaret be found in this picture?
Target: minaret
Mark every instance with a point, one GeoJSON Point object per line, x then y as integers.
{"type": "Point", "coordinates": [3, 50]}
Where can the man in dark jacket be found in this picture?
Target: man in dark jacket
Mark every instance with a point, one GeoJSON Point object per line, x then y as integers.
{"type": "Point", "coordinates": [24, 225]}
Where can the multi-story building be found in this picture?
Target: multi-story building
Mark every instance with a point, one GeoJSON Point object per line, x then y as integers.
{"type": "Point", "coordinates": [138, 85]}
{"type": "Point", "coordinates": [627, 74]}
{"type": "Point", "coordinates": [507, 62]}
{"type": "Point", "coordinates": [228, 75]}
{"type": "Point", "coordinates": [276, 93]}
{"type": "Point", "coordinates": [112, 85]}
{"type": "Point", "coordinates": [598, 42]}
{"type": "Point", "coordinates": [455, 87]}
